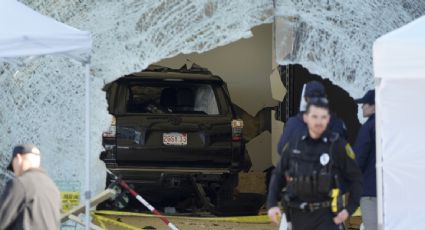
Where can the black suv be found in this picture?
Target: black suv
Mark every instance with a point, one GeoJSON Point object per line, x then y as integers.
{"type": "Point", "coordinates": [175, 138]}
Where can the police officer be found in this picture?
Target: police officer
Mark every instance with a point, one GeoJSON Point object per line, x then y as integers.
{"type": "Point", "coordinates": [310, 169]}
{"type": "Point", "coordinates": [295, 124]}
{"type": "Point", "coordinates": [365, 148]}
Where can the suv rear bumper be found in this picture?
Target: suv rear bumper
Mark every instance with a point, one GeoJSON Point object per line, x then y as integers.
{"type": "Point", "coordinates": [133, 170]}
{"type": "Point", "coordinates": [169, 177]}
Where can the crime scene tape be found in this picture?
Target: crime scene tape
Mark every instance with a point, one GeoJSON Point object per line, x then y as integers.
{"type": "Point", "coordinates": [101, 220]}
{"type": "Point", "coordinates": [261, 219]}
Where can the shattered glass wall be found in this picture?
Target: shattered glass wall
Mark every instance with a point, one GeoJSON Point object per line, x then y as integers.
{"type": "Point", "coordinates": [334, 38]}
{"type": "Point", "coordinates": [43, 102]}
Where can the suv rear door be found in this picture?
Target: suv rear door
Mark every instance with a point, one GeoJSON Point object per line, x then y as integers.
{"type": "Point", "coordinates": [173, 123]}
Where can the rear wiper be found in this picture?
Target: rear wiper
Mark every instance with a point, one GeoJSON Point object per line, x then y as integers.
{"type": "Point", "coordinates": [158, 117]}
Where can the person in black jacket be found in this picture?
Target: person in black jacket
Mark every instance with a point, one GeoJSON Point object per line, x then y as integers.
{"type": "Point", "coordinates": [31, 200]}
{"type": "Point", "coordinates": [295, 124]}
{"type": "Point", "coordinates": [365, 148]}
{"type": "Point", "coordinates": [310, 169]}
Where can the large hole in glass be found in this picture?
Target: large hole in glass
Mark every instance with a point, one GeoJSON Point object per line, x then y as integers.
{"type": "Point", "coordinates": [295, 76]}
{"type": "Point", "coordinates": [145, 110]}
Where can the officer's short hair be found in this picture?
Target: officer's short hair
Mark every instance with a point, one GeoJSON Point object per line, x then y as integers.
{"type": "Point", "coordinates": [321, 102]}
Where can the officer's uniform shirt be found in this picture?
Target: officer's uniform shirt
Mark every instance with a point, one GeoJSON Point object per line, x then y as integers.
{"type": "Point", "coordinates": [365, 149]}
{"type": "Point", "coordinates": [344, 165]}
{"type": "Point", "coordinates": [296, 126]}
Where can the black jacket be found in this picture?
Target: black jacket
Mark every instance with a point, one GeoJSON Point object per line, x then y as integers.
{"type": "Point", "coordinates": [295, 126]}
{"type": "Point", "coordinates": [344, 166]}
{"type": "Point", "coordinates": [365, 148]}
{"type": "Point", "coordinates": [31, 201]}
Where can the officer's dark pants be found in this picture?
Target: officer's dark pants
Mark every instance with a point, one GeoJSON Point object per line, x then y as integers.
{"type": "Point", "coordinates": [321, 219]}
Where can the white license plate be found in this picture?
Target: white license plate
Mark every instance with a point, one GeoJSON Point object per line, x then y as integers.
{"type": "Point", "coordinates": [174, 138]}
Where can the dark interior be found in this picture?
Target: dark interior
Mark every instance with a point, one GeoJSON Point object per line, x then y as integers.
{"type": "Point", "coordinates": [295, 76]}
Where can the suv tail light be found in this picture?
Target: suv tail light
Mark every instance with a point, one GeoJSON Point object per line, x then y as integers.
{"type": "Point", "coordinates": [112, 129]}
{"type": "Point", "coordinates": [237, 126]}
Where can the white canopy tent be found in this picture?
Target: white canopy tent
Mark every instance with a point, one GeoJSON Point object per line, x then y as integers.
{"type": "Point", "coordinates": [24, 32]}
{"type": "Point", "coordinates": [399, 66]}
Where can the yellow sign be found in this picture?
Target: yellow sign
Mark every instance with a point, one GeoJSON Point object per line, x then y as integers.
{"type": "Point", "coordinates": [69, 200]}
{"type": "Point", "coordinates": [70, 194]}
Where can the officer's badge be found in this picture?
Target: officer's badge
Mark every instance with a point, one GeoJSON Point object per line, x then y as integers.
{"type": "Point", "coordinates": [350, 152]}
{"type": "Point", "coordinates": [324, 159]}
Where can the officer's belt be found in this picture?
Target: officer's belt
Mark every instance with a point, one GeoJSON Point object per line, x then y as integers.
{"type": "Point", "coordinates": [309, 206]}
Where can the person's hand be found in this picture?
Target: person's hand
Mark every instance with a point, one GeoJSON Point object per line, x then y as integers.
{"type": "Point", "coordinates": [341, 217]}
{"type": "Point", "coordinates": [274, 214]}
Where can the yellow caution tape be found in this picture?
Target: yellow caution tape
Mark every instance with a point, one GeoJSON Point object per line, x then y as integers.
{"type": "Point", "coordinates": [102, 219]}
{"type": "Point", "coordinates": [238, 219]}
{"type": "Point", "coordinates": [100, 222]}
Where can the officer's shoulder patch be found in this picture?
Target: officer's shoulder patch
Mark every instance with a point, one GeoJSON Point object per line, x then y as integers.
{"type": "Point", "coordinates": [349, 151]}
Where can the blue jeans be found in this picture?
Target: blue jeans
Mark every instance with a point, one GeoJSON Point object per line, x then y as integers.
{"type": "Point", "coordinates": [369, 212]}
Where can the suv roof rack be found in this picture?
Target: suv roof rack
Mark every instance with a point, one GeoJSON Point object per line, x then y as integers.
{"type": "Point", "coordinates": [194, 68]}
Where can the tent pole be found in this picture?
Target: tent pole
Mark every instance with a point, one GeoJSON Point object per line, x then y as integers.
{"type": "Point", "coordinates": [87, 193]}
{"type": "Point", "coordinates": [379, 168]}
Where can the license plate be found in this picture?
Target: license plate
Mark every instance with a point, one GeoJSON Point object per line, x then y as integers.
{"type": "Point", "coordinates": [174, 138]}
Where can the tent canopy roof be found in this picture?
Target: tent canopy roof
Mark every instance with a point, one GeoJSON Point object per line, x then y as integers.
{"type": "Point", "coordinates": [401, 53]}
{"type": "Point", "coordinates": [24, 32]}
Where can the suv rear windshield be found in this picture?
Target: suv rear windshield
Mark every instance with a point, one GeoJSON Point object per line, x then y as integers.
{"type": "Point", "coordinates": [172, 99]}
